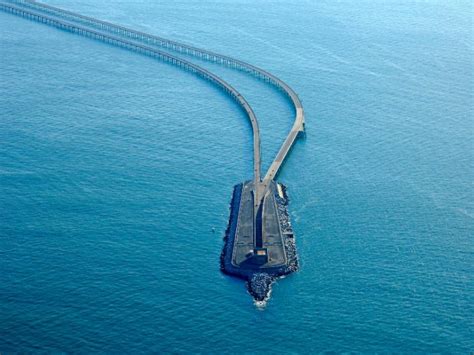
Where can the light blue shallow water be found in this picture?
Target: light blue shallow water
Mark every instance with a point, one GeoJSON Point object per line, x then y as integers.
{"type": "Point", "coordinates": [114, 168]}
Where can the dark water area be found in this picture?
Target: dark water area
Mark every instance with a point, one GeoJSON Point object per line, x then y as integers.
{"type": "Point", "coordinates": [115, 168]}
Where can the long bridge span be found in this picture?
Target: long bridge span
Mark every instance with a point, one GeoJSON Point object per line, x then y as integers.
{"type": "Point", "coordinates": [298, 125]}
{"type": "Point", "coordinates": [155, 53]}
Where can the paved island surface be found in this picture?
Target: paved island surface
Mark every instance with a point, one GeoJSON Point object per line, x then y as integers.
{"type": "Point", "coordinates": [259, 246]}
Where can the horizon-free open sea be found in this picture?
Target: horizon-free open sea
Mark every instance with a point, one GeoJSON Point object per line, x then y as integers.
{"type": "Point", "coordinates": [115, 168]}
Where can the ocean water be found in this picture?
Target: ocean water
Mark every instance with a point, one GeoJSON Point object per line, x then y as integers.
{"type": "Point", "coordinates": [115, 168]}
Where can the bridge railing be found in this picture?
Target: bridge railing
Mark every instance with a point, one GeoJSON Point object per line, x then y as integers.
{"type": "Point", "coordinates": [152, 52]}
{"type": "Point", "coordinates": [188, 50]}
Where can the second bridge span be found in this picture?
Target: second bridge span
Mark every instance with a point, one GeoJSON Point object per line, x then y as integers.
{"type": "Point", "coordinates": [148, 39]}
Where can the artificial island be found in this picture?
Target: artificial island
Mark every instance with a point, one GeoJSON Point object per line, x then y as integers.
{"type": "Point", "coordinates": [259, 242]}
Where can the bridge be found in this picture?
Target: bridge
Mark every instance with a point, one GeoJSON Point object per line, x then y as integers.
{"type": "Point", "coordinates": [262, 215]}
{"type": "Point", "coordinates": [204, 54]}
{"type": "Point", "coordinates": [149, 51]}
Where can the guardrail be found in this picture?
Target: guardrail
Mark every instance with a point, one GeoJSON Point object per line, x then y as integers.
{"type": "Point", "coordinates": [298, 125]}
{"type": "Point", "coordinates": [155, 53]}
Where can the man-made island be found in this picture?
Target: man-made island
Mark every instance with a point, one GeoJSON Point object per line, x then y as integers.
{"type": "Point", "coordinates": [259, 245]}
{"type": "Point", "coordinates": [259, 242]}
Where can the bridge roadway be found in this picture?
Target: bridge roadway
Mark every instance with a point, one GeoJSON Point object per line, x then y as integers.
{"type": "Point", "coordinates": [298, 125]}
{"type": "Point", "coordinates": [153, 52]}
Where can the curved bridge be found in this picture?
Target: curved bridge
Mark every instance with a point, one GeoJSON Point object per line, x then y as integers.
{"type": "Point", "coordinates": [148, 39]}
{"type": "Point", "coordinates": [152, 52]}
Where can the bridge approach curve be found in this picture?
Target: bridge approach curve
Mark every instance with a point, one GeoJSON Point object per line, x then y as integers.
{"type": "Point", "coordinates": [155, 53]}
{"type": "Point", "coordinates": [298, 125]}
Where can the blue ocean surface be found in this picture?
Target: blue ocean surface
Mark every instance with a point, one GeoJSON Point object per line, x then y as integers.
{"type": "Point", "coordinates": [116, 173]}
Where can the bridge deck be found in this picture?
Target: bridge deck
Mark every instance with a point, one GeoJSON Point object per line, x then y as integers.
{"type": "Point", "coordinates": [148, 39]}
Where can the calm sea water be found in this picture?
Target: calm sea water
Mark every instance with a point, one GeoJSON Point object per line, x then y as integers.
{"type": "Point", "coordinates": [115, 168]}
